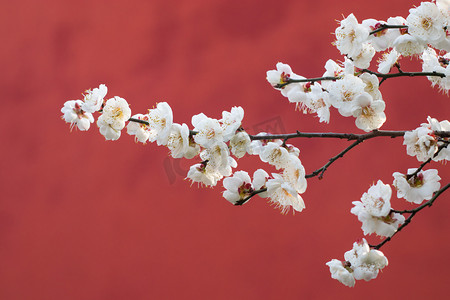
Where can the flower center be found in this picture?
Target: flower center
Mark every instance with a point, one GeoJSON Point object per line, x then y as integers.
{"type": "Point", "coordinates": [117, 113]}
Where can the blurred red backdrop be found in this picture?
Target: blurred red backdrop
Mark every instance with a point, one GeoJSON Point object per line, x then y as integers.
{"type": "Point", "coordinates": [81, 218]}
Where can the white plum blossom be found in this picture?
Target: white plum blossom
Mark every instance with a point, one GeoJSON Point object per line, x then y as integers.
{"type": "Point", "coordinates": [209, 131]}
{"type": "Point", "coordinates": [139, 130]}
{"type": "Point", "coordinates": [260, 178]}
{"type": "Point", "coordinates": [275, 155]}
{"type": "Point", "coordinates": [383, 39]}
{"type": "Point", "coordinates": [435, 125]}
{"type": "Point", "coordinates": [332, 69]}
{"type": "Point", "coordinates": [231, 121]}
{"type": "Point", "coordinates": [388, 60]}
{"type": "Point", "coordinates": [365, 262]}
{"type": "Point", "coordinates": [240, 144]}
{"type": "Point", "coordinates": [93, 99]}
{"type": "Point", "coordinates": [292, 150]}
{"type": "Point", "coordinates": [283, 194]}
{"type": "Point", "coordinates": [419, 187]}
{"type": "Point", "coordinates": [160, 123]}
{"type": "Point", "coordinates": [377, 200]}
{"type": "Point", "coordinates": [257, 146]}
{"type": "Point", "coordinates": [408, 45]}
{"type": "Point", "coordinates": [238, 187]}
{"type": "Point", "coordinates": [178, 140]}
{"type": "Point", "coordinates": [299, 93]}
{"type": "Point", "coordinates": [281, 76]}
{"type": "Point", "coordinates": [372, 85]}
{"type": "Point", "coordinates": [443, 5]}
{"type": "Point", "coordinates": [383, 226]}
{"type": "Point", "coordinates": [75, 115]}
{"type": "Point", "coordinates": [294, 173]}
{"type": "Point", "coordinates": [374, 211]}
{"type": "Point", "coordinates": [217, 156]}
{"type": "Point", "coordinates": [426, 22]}
{"type": "Point", "coordinates": [433, 63]}
{"type": "Point", "coordinates": [115, 113]}
{"type": "Point", "coordinates": [193, 148]}
{"type": "Point", "coordinates": [319, 102]}
{"type": "Point", "coordinates": [311, 98]}
{"type": "Point", "coordinates": [342, 272]}
{"type": "Point", "coordinates": [360, 263]}
{"type": "Point", "coordinates": [203, 174]}
{"type": "Point", "coordinates": [369, 113]}
{"type": "Point", "coordinates": [343, 93]}
{"type": "Point", "coordinates": [363, 58]}
{"type": "Point", "coordinates": [420, 143]}
{"type": "Point", "coordinates": [350, 36]}
{"type": "Point", "coordinates": [227, 170]}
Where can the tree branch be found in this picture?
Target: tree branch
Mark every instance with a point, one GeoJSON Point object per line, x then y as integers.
{"type": "Point", "coordinates": [322, 170]}
{"type": "Point", "coordinates": [345, 136]}
{"type": "Point", "coordinates": [403, 74]}
{"type": "Point", "coordinates": [380, 75]}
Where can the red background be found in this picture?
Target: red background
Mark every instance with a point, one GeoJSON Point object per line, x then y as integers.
{"type": "Point", "coordinates": [81, 218]}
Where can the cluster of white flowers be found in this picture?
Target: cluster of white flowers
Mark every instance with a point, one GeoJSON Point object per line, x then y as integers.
{"type": "Point", "coordinates": [424, 144]}
{"type": "Point", "coordinates": [283, 189]}
{"type": "Point", "coordinates": [352, 93]}
{"type": "Point", "coordinates": [375, 212]}
{"type": "Point", "coordinates": [360, 263]}
{"type": "Point", "coordinates": [377, 216]}
{"type": "Point", "coordinates": [354, 90]}
{"type": "Point", "coordinates": [418, 187]}
{"type": "Point", "coordinates": [349, 87]}
{"type": "Point", "coordinates": [214, 141]}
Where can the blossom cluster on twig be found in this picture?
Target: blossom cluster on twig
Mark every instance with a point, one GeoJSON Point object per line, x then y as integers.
{"type": "Point", "coordinates": [351, 88]}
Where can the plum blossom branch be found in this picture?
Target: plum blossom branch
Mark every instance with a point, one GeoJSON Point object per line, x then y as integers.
{"type": "Point", "coordinates": [412, 213]}
{"type": "Point", "coordinates": [380, 75]}
{"type": "Point", "coordinates": [345, 136]}
{"type": "Point", "coordinates": [408, 176]}
{"type": "Point", "coordinates": [290, 80]}
{"type": "Point", "coordinates": [403, 74]}
{"type": "Point", "coordinates": [322, 170]}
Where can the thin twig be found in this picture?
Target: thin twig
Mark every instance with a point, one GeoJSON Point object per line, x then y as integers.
{"type": "Point", "coordinates": [322, 170]}
{"type": "Point", "coordinates": [403, 74]}
{"type": "Point", "coordinates": [290, 80]}
{"type": "Point", "coordinates": [345, 136]}
{"type": "Point", "coordinates": [380, 75]}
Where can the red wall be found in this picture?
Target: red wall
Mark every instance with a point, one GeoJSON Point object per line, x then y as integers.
{"type": "Point", "coordinates": [81, 218]}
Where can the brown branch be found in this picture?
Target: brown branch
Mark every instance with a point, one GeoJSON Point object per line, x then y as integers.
{"type": "Point", "coordinates": [290, 80]}
{"type": "Point", "coordinates": [403, 74]}
{"type": "Point", "coordinates": [322, 170]}
{"type": "Point", "coordinates": [345, 136]}
{"type": "Point", "coordinates": [380, 75]}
